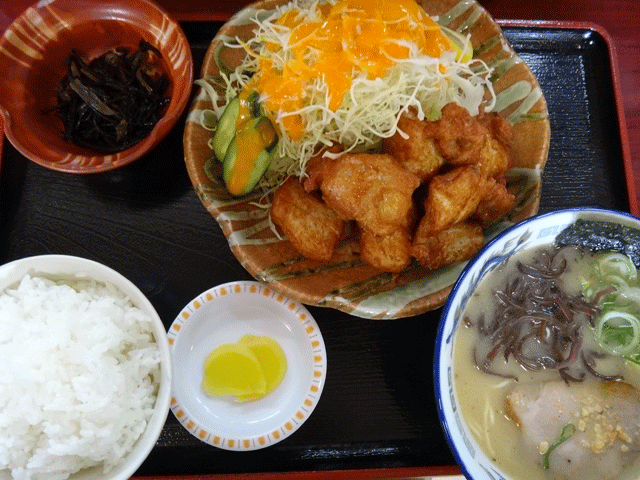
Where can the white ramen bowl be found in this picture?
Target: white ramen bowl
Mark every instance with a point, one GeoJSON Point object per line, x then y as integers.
{"type": "Point", "coordinates": [70, 268]}
{"type": "Point", "coordinates": [535, 231]}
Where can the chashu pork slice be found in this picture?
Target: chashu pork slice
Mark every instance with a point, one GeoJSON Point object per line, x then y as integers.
{"type": "Point", "coordinates": [606, 416]}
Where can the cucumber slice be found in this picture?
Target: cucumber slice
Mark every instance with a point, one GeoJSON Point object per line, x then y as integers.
{"type": "Point", "coordinates": [249, 155]}
{"type": "Point", "coordinates": [246, 105]}
{"type": "Point", "coordinates": [259, 165]}
{"type": "Point", "coordinates": [226, 128]}
{"type": "Point", "coordinates": [263, 160]}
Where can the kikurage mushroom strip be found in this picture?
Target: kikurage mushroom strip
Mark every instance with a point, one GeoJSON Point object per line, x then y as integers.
{"type": "Point", "coordinates": [538, 324]}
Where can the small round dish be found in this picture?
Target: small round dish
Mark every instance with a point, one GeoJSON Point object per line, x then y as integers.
{"type": "Point", "coordinates": [222, 315]}
{"type": "Point", "coordinates": [33, 57]}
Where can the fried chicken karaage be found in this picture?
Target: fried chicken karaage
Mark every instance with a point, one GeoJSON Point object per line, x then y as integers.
{"type": "Point", "coordinates": [312, 227]}
{"type": "Point", "coordinates": [372, 189]}
{"type": "Point", "coordinates": [414, 147]}
{"type": "Point", "coordinates": [427, 196]}
{"type": "Point", "coordinates": [390, 253]}
{"type": "Point", "coordinates": [457, 243]}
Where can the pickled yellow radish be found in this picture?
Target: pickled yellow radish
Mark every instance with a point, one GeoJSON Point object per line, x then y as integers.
{"type": "Point", "coordinates": [272, 361]}
{"type": "Point", "coordinates": [248, 369]}
{"type": "Point", "coordinates": [233, 369]}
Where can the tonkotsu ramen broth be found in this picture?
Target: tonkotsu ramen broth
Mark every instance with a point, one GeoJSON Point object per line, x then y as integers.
{"type": "Point", "coordinates": [543, 386]}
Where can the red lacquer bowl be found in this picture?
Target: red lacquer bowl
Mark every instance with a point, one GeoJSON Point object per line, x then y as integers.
{"type": "Point", "coordinates": [33, 56]}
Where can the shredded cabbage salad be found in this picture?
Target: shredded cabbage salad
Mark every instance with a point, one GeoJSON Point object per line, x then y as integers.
{"type": "Point", "coordinates": [371, 108]}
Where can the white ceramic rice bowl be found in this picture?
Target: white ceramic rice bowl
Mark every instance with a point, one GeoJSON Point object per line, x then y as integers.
{"type": "Point", "coordinates": [76, 268]}
{"type": "Point", "coordinates": [531, 232]}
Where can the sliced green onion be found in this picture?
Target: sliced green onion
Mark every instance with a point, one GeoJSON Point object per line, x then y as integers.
{"type": "Point", "coordinates": [568, 431]}
{"type": "Point", "coordinates": [631, 295]}
{"type": "Point", "coordinates": [633, 358]}
{"type": "Point", "coordinates": [616, 281]}
{"type": "Point", "coordinates": [618, 332]}
{"type": "Point", "coordinates": [617, 264]}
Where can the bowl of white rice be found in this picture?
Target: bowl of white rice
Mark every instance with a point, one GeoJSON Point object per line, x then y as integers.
{"type": "Point", "coordinates": [86, 371]}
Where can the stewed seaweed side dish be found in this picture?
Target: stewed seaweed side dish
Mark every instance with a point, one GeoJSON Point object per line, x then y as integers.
{"type": "Point", "coordinates": [602, 236]}
{"type": "Point", "coordinates": [112, 102]}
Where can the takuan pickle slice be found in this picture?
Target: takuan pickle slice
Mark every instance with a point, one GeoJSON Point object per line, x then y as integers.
{"type": "Point", "coordinates": [233, 369]}
{"type": "Point", "coordinates": [272, 361]}
{"type": "Point", "coordinates": [248, 369]}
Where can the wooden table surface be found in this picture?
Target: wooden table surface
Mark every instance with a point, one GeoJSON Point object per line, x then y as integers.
{"type": "Point", "coordinates": [618, 19]}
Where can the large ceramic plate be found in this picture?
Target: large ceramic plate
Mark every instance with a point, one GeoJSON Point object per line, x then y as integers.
{"type": "Point", "coordinates": [346, 283]}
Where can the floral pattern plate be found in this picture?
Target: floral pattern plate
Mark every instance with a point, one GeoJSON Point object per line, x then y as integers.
{"type": "Point", "coordinates": [346, 283]}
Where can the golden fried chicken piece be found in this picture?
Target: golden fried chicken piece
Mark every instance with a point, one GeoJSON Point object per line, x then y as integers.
{"type": "Point", "coordinates": [372, 189]}
{"type": "Point", "coordinates": [460, 136]}
{"type": "Point", "coordinates": [460, 160]}
{"type": "Point", "coordinates": [419, 152]}
{"type": "Point", "coordinates": [494, 158]}
{"type": "Point", "coordinates": [455, 244]}
{"type": "Point", "coordinates": [496, 202]}
{"type": "Point", "coordinates": [312, 228]}
{"type": "Point", "coordinates": [389, 253]}
{"type": "Point", "coordinates": [318, 165]}
{"type": "Point", "coordinates": [498, 127]}
{"type": "Point", "coordinates": [456, 138]}
{"type": "Point", "coordinates": [452, 197]}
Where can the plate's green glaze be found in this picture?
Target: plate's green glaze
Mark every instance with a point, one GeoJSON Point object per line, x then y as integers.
{"type": "Point", "coordinates": [346, 283]}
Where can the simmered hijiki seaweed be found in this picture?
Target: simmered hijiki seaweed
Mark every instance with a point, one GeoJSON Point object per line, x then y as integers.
{"type": "Point", "coordinates": [112, 102]}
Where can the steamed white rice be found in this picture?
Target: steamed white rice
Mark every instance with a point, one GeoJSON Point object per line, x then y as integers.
{"type": "Point", "coordinates": [79, 375]}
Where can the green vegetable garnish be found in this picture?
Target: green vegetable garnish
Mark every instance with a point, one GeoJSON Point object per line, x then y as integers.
{"type": "Point", "coordinates": [618, 332]}
{"type": "Point", "coordinates": [614, 278]}
{"type": "Point", "coordinates": [239, 110]}
{"type": "Point", "coordinates": [249, 155]}
{"type": "Point", "coordinates": [568, 431]}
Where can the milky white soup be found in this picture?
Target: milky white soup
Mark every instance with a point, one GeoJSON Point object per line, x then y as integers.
{"type": "Point", "coordinates": [543, 396]}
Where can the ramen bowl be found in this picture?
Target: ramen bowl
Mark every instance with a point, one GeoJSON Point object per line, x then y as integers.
{"type": "Point", "coordinates": [33, 58]}
{"type": "Point", "coordinates": [449, 372]}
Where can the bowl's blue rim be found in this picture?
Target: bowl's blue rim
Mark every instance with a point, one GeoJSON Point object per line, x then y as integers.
{"type": "Point", "coordinates": [447, 306]}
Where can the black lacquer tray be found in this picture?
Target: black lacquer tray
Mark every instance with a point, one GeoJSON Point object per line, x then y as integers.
{"type": "Point", "coordinates": [378, 409]}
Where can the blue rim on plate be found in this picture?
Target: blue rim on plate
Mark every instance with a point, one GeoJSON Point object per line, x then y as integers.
{"type": "Point", "coordinates": [224, 314]}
